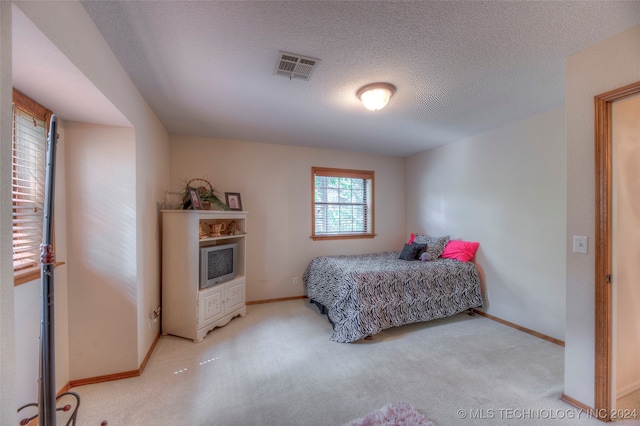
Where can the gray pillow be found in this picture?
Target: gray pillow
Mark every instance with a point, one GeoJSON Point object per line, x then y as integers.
{"type": "Point", "coordinates": [411, 251]}
{"type": "Point", "coordinates": [435, 245]}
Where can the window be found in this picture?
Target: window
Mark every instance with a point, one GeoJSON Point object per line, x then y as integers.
{"type": "Point", "coordinates": [342, 203]}
{"type": "Point", "coordinates": [27, 183]}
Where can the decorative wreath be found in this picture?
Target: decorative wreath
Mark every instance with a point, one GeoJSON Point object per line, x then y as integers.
{"type": "Point", "coordinates": [206, 192]}
{"type": "Point", "coordinates": [203, 186]}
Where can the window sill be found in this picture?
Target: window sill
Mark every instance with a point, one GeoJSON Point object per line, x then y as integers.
{"type": "Point", "coordinates": [27, 275]}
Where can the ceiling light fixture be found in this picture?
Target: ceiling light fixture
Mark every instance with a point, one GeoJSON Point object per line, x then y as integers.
{"type": "Point", "coordinates": [375, 96]}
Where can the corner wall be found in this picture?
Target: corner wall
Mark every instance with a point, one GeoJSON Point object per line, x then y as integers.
{"type": "Point", "coordinates": [605, 66]}
{"type": "Point", "coordinates": [506, 190]}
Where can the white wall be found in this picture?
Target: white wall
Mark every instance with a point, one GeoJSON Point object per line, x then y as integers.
{"type": "Point", "coordinates": [7, 355]}
{"type": "Point", "coordinates": [27, 325]}
{"type": "Point", "coordinates": [626, 244]}
{"type": "Point", "coordinates": [506, 190]}
{"type": "Point", "coordinates": [68, 26]}
{"type": "Point", "coordinates": [102, 249]}
{"type": "Point", "coordinates": [608, 65]}
{"type": "Point", "coordinates": [275, 186]}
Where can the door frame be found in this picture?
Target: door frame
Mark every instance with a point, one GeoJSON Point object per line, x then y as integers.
{"type": "Point", "coordinates": [603, 315]}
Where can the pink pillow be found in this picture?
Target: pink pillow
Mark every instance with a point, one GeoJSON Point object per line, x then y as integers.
{"type": "Point", "coordinates": [460, 250]}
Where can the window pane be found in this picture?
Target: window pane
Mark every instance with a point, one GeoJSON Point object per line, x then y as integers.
{"type": "Point", "coordinates": [342, 202]}
{"type": "Point", "coordinates": [29, 147]}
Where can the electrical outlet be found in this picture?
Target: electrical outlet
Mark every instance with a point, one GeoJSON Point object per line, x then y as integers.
{"type": "Point", "coordinates": [294, 281]}
{"type": "Point", "coordinates": [155, 314]}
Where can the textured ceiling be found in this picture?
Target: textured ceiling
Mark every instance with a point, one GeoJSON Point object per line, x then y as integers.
{"type": "Point", "coordinates": [460, 67]}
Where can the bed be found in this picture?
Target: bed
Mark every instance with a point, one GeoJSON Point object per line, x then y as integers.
{"type": "Point", "coordinates": [365, 294]}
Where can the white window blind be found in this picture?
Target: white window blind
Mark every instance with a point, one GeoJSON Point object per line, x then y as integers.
{"type": "Point", "coordinates": [342, 203]}
{"type": "Point", "coordinates": [29, 152]}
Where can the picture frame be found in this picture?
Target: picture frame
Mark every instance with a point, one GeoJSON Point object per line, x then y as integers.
{"type": "Point", "coordinates": [234, 202]}
{"type": "Point", "coordinates": [194, 198]}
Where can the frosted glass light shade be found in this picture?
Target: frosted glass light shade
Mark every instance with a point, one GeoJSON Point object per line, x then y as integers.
{"type": "Point", "coordinates": [375, 96]}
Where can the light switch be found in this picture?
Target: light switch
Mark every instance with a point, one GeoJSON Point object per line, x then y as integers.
{"type": "Point", "coordinates": [580, 244]}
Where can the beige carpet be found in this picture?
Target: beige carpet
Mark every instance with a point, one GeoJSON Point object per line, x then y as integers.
{"type": "Point", "coordinates": [277, 367]}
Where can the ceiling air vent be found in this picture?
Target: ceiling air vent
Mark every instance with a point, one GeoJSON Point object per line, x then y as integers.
{"type": "Point", "coordinates": [295, 66]}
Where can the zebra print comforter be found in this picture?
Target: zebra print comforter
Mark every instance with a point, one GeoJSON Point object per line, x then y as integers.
{"type": "Point", "coordinates": [365, 294]}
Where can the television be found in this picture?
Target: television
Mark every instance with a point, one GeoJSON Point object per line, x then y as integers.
{"type": "Point", "coordinates": [217, 264]}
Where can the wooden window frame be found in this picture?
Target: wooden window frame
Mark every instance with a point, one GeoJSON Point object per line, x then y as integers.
{"type": "Point", "coordinates": [346, 173]}
{"type": "Point", "coordinates": [26, 104]}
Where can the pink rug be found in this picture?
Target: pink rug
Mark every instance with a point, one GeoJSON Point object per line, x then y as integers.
{"type": "Point", "coordinates": [395, 414]}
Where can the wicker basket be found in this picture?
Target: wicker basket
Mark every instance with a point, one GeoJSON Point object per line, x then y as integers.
{"type": "Point", "coordinates": [206, 192]}
{"type": "Point", "coordinates": [203, 186]}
